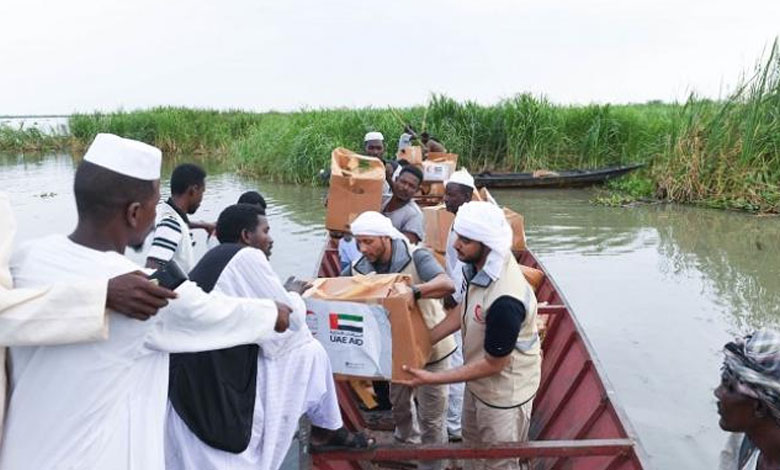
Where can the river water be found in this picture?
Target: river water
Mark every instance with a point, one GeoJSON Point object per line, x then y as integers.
{"type": "Point", "coordinates": [658, 289]}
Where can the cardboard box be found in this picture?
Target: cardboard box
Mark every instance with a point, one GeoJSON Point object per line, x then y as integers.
{"type": "Point", "coordinates": [413, 155]}
{"type": "Point", "coordinates": [355, 187]}
{"type": "Point", "coordinates": [518, 229]}
{"type": "Point", "coordinates": [435, 189]}
{"type": "Point", "coordinates": [363, 345]}
{"type": "Point", "coordinates": [533, 276]}
{"type": "Point", "coordinates": [443, 157]}
{"type": "Point", "coordinates": [437, 171]}
{"type": "Point", "coordinates": [437, 222]}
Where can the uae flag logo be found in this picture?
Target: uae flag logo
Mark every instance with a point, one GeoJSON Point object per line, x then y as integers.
{"type": "Point", "coordinates": [345, 322]}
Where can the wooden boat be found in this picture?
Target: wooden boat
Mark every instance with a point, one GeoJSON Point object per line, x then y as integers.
{"type": "Point", "coordinates": [562, 179]}
{"type": "Point", "coordinates": [576, 424]}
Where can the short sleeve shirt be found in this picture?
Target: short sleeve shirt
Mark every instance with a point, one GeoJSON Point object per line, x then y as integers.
{"type": "Point", "coordinates": [407, 218]}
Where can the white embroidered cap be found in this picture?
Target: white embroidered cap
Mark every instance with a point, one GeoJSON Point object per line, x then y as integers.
{"type": "Point", "coordinates": [125, 156]}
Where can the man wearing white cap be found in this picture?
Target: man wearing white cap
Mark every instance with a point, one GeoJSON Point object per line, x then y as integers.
{"type": "Point", "coordinates": [101, 405]}
{"type": "Point", "coordinates": [386, 250]}
{"type": "Point", "coordinates": [64, 313]}
{"type": "Point", "coordinates": [501, 344]}
{"type": "Point", "coordinates": [457, 191]}
{"type": "Point", "coordinates": [374, 146]}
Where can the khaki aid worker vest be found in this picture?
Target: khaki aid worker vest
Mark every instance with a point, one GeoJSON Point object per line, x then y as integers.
{"type": "Point", "coordinates": [432, 309]}
{"type": "Point", "coordinates": [519, 380]}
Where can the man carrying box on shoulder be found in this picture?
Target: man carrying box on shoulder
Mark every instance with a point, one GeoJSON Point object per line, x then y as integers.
{"type": "Point", "coordinates": [502, 349]}
{"type": "Point", "coordinates": [386, 250]}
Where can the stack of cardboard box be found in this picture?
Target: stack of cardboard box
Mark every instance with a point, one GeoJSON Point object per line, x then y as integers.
{"type": "Point", "coordinates": [437, 169]}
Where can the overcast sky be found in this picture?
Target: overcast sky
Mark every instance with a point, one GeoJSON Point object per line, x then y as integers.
{"type": "Point", "coordinates": [82, 55]}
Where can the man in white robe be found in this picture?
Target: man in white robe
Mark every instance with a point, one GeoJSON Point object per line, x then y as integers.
{"type": "Point", "coordinates": [64, 313]}
{"type": "Point", "coordinates": [101, 405]}
{"type": "Point", "coordinates": [457, 191]}
{"type": "Point", "coordinates": [294, 375]}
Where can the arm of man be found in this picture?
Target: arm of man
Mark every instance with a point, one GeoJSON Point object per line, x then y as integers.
{"type": "Point", "coordinates": [502, 325]}
{"type": "Point", "coordinates": [66, 313]}
{"type": "Point", "coordinates": [197, 321]}
{"type": "Point", "coordinates": [71, 313]}
{"type": "Point", "coordinates": [446, 327]}
{"type": "Point", "coordinates": [437, 284]}
{"type": "Point", "coordinates": [209, 227]}
{"type": "Point", "coordinates": [165, 242]}
{"type": "Point", "coordinates": [413, 226]}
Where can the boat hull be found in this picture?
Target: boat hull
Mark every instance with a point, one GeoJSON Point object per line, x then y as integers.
{"type": "Point", "coordinates": [576, 421]}
{"type": "Point", "coordinates": [564, 179]}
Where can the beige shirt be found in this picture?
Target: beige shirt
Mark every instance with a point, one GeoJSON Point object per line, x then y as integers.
{"type": "Point", "coordinates": [54, 314]}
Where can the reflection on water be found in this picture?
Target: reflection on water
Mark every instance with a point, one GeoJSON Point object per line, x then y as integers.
{"type": "Point", "coordinates": [658, 289]}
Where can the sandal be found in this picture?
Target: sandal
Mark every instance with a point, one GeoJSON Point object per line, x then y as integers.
{"type": "Point", "coordinates": [342, 439]}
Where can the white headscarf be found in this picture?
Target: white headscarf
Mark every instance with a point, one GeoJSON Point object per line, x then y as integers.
{"type": "Point", "coordinates": [463, 177]}
{"type": "Point", "coordinates": [374, 224]}
{"type": "Point", "coordinates": [485, 222]}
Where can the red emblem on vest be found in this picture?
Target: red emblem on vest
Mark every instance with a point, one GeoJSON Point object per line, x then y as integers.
{"type": "Point", "coordinates": [478, 314]}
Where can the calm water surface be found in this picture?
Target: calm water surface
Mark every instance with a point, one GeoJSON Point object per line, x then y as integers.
{"type": "Point", "coordinates": [658, 289]}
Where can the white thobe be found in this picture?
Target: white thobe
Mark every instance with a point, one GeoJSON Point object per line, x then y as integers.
{"type": "Point", "coordinates": [101, 405]}
{"type": "Point", "coordinates": [454, 268]}
{"type": "Point", "coordinates": [54, 314]}
{"type": "Point", "coordinates": [294, 377]}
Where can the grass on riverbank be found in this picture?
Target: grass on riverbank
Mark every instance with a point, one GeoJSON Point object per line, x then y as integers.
{"type": "Point", "coordinates": [718, 153]}
{"type": "Point", "coordinates": [31, 139]}
{"type": "Point", "coordinates": [727, 154]}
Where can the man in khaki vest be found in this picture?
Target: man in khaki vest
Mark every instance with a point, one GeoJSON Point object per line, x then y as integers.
{"type": "Point", "coordinates": [64, 313]}
{"type": "Point", "coordinates": [386, 250]}
{"type": "Point", "coordinates": [502, 367]}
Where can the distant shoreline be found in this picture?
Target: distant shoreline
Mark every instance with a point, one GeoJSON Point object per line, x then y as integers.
{"type": "Point", "coordinates": [723, 154]}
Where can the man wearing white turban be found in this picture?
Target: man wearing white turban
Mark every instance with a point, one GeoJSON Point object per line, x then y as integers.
{"type": "Point", "coordinates": [386, 250]}
{"type": "Point", "coordinates": [500, 341]}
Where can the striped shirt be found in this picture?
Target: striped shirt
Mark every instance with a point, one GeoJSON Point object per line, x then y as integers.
{"type": "Point", "coordinates": [172, 239]}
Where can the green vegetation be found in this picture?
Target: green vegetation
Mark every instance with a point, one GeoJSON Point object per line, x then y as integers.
{"type": "Point", "coordinates": [30, 140]}
{"type": "Point", "coordinates": [174, 130]}
{"type": "Point", "coordinates": [727, 154]}
{"type": "Point", "coordinates": [717, 153]}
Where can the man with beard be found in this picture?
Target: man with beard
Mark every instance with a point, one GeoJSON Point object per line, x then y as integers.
{"type": "Point", "coordinates": [501, 344]}
{"type": "Point", "coordinates": [238, 408]}
{"type": "Point", "coordinates": [101, 405]}
{"type": "Point", "coordinates": [402, 211]}
{"type": "Point", "coordinates": [386, 250]}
